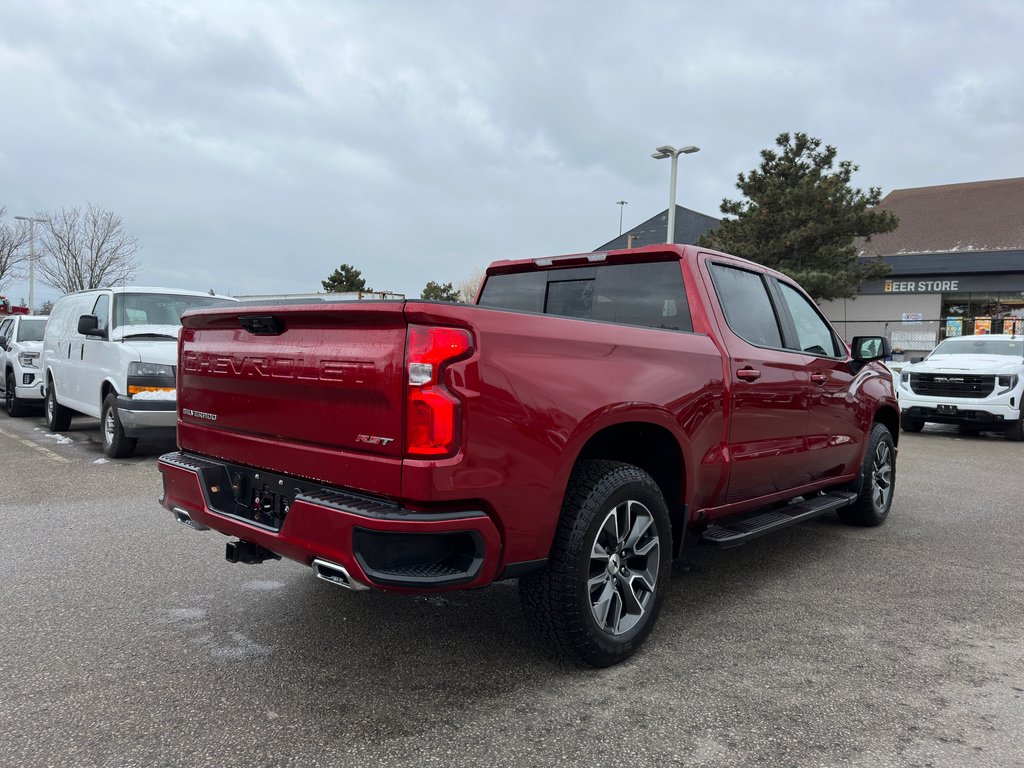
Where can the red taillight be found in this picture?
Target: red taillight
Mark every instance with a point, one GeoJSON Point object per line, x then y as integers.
{"type": "Point", "coordinates": [432, 414]}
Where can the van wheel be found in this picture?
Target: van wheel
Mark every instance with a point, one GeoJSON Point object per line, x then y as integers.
{"type": "Point", "coordinates": [13, 405]}
{"type": "Point", "coordinates": [58, 418]}
{"type": "Point", "coordinates": [115, 444]}
{"type": "Point", "coordinates": [878, 481]}
{"type": "Point", "coordinates": [600, 594]}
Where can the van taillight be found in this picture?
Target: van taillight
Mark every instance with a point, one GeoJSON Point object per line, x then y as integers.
{"type": "Point", "coordinates": [432, 414]}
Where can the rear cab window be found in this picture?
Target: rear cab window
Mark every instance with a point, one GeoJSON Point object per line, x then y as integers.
{"type": "Point", "coordinates": [648, 294]}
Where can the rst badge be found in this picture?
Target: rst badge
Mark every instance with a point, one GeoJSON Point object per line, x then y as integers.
{"type": "Point", "coordinates": [374, 440]}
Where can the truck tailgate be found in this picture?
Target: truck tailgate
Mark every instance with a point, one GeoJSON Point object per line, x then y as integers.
{"type": "Point", "coordinates": [312, 390]}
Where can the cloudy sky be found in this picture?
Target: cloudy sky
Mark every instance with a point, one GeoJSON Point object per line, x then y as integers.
{"type": "Point", "coordinates": [252, 147]}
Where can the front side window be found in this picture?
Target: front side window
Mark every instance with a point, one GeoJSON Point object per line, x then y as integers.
{"type": "Point", "coordinates": [102, 311]}
{"type": "Point", "coordinates": [748, 308]}
{"type": "Point", "coordinates": [5, 328]}
{"type": "Point", "coordinates": [813, 334]}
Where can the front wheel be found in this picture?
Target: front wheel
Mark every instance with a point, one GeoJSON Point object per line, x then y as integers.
{"type": "Point", "coordinates": [910, 424]}
{"type": "Point", "coordinates": [115, 444]}
{"type": "Point", "coordinates": [609, 567]}
{"type": "Point", "coordinates": [14, 406]}
{"type": "Point", "coordinates": [58, 418]}
{"type": "Point", "coordinates": [878, 481]}
{"type": "Point", "coordinates": [1016, 430]}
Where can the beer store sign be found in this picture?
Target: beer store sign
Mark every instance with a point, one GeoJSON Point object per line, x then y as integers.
{"type": "Point", "coordinates": [921, 286]}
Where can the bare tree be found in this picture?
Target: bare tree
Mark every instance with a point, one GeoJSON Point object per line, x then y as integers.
{"type": "Point", "coordinates": [469, 287]}
{"type": "Point", "coordinates": [86, 249]}
{"type": "Point", "coordinates": [13, 236]}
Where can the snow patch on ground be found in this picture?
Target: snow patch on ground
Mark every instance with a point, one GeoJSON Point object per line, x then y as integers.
{"type": "Point", "coordinates": [263, 586]}
{"type": "Point", "coordinates": [101, 461]}
{"type": "Point", "coordinates": [61, 439]}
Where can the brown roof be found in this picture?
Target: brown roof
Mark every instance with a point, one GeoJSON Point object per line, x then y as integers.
{"type": "Point", "coordinates": [977, 216]}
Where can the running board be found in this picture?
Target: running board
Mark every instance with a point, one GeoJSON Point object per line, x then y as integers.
{"type": "Point", "coordinates": [732, 533]}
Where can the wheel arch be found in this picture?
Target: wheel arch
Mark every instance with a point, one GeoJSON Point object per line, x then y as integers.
{"type": "Point", "coordinates": [890, 417]}
{"type": "Point", "coordinates": [653, 448]}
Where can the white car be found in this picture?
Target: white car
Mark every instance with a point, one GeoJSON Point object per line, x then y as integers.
{"type": "Point", "coordinates": [975, 382]}
{"type": "Point", "coordinates": [21, 342]}
{"type": "Point", "coordinates": [112, 353]}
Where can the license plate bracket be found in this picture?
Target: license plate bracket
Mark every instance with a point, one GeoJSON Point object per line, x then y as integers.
{"type": "Point", "coordinates": [947, 410]}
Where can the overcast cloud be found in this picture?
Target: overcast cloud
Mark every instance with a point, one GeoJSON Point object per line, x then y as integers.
{"type": "Point", "coordinates": [252, 147]}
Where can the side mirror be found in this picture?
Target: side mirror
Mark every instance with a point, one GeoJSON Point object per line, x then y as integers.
{"type": "Point", "coordinates": [88, 325]}
{"type": "Point", "coordinates": [867, 348]}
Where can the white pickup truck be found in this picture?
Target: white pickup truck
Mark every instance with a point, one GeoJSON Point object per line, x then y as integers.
{"type": "Point", "coordinates": [21, 341]}
{"type": "Point", "coordinates": [975, 382]}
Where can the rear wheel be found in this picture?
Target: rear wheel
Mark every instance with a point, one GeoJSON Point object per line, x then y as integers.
{"type": "Point", "coordinates": [910, 424]}
{"type": "Point", "coordinates": [601, 592]}
{"type": "Point", "coordinates": [14, 406]}
{"type": "Point", "coordinates": [58, 418]}
{"type": "Point", "coordinates": [115, 443]}
{"type": "Point", "coordinates": [878, 481]}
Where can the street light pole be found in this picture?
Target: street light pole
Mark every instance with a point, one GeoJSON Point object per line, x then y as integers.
{"type": "Point", "coordinates": [621, 204]}
{"type": "Point", "coordinates": [31, 258]}
{"type": "Point", "coordinates": [660, 154]}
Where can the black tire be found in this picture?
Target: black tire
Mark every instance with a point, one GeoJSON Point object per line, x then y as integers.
{"type": "Point", "coordinates": [12, 404]}
{"type": "Point", "coordinates": [115, 444]}
{"type": "Point", "coordinates": [601, 592]}
{"type": "Point", "coordinates": [1015, 431]}
{"type": "Point", "coordinates": [877, 481]}
{"type": "Point", "coordinates": [910, 424]}
{"type": "Point", "coordinates": [58, 418]}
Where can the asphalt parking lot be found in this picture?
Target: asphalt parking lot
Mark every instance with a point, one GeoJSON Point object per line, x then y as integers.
{"type": "Point", "coordinates": [127, 640]}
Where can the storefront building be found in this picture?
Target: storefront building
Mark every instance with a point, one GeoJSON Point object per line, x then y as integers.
{"type": "Point", "coordinates": [957, 267]}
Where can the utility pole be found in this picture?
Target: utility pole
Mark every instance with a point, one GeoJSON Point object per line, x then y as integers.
{"type": "Point", "coordinates": [31, 258]}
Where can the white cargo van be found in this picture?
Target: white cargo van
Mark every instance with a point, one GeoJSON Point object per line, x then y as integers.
{"type": "Point", "coordinates": [111, 353]}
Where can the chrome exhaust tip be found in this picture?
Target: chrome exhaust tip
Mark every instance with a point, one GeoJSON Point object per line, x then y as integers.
{"type": "Point", "coordinates": [185, 518]}
{"type": "Point", "coordinates": [337, 575]}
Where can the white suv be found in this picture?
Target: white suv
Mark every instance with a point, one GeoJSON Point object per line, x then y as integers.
{"type": "Point", "coordinates": [974, 381]}
{"type": "Point", "coordinates": [112, 353]}
{"type": "Point", "coordinates": [21, 341]}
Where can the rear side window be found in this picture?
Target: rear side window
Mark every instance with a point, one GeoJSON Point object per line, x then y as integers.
{"type": "Point", "coordinates": [650, 295]}
{"type": "Point", "coordinates": [747, 306]}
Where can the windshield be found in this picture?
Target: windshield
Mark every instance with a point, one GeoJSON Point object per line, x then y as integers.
{"type": "Point", "coordinates": [148, 309]}
{"type": "Point", "coordinates": [31, 330]}
{"type": "Point", "coordinates": [980, 345]}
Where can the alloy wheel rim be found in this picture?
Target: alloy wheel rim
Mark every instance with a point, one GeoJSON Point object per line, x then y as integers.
{"type": "Point", "coordinates": [624, 563]}
{"type": "Point", "coordinates": [881, 477]}
{"type": "Point", "coordinates": [108, 427]}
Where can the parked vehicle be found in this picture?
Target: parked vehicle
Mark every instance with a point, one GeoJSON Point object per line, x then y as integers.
{"type": "Point", "coordinates": [570, 430]}
{"type": "Point", "coordinates": [6, 308]}
{"type": "Point", "coordinates": [21, 341]}
{"type": "Point", "coordinates": [110, 353]}
{"type": "Point", "coordinates": [976, 382]}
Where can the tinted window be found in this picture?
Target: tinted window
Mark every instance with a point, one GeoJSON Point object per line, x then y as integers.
{"type": "Point", "coordinates": [650, 294]}
{"type": "Point", "coordinates": [813, 333]}
{"type": "Point", "coordinates": [748, 309]}
{"type": "Point", "coordinates": [31, 330]}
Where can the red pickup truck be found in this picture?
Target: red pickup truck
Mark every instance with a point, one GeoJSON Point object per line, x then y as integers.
{"type": "Point", "coordinates": [570, 430]}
